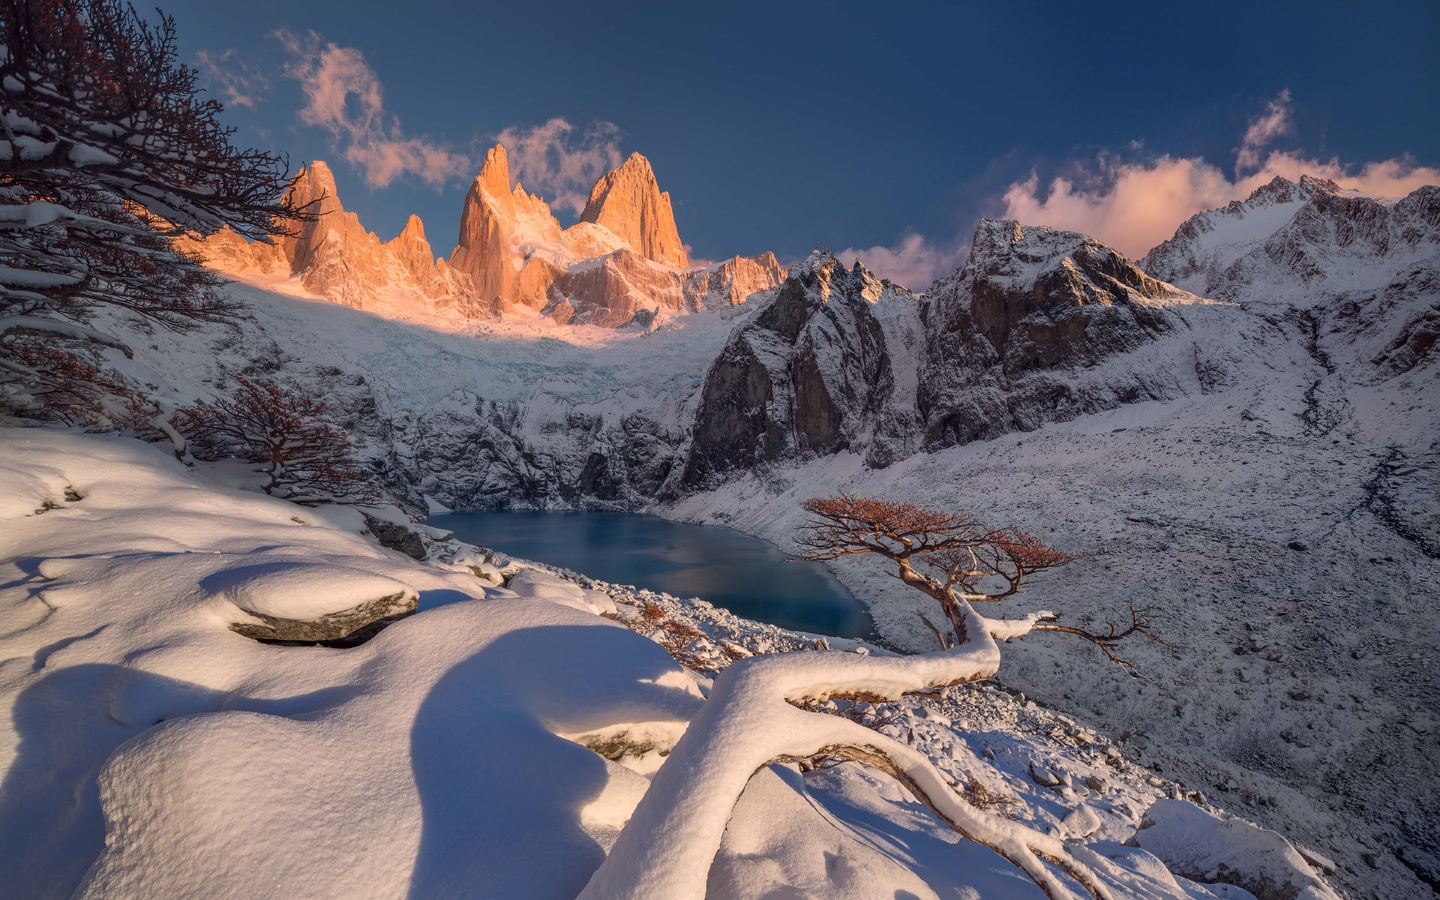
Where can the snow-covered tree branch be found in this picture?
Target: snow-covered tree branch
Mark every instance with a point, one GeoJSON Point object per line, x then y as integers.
{"type": "Point", "coordinates": [756, 714]}
{"type": "Point", "coordinates": [107, 150]}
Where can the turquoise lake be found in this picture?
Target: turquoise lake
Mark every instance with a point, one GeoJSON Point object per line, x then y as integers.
{"type": "Point", "coordinates": [746, 575]}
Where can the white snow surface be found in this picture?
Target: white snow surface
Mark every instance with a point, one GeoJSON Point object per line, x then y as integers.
{"type": "Point", "coordinates": [148, 750]}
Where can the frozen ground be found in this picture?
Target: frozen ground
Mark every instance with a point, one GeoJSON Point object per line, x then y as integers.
{"type": "Point", "coordinates": [150, 750]}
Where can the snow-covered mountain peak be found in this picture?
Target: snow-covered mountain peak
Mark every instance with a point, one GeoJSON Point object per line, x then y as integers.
{"type": "Point", "coordinates": [823, 274]}
{"type": "Point", "coordinates": [1300, 242]}
{"type": "Point", "coordinates": [622, 264]}
{"type": "Point", "coordinates": [1040, 266]}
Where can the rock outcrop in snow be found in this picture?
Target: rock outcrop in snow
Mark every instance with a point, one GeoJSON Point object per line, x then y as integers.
{"type": "Point", "coordinates": [1041, 326]}
{"type": "Point", "coordinates": [810, 374]}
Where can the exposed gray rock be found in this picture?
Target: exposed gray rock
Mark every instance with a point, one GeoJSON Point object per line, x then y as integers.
{"type": "Point", "coordinates": [346, 628]}
{"type": "Point", "coordinates": [472, 453]}
{"type": "Point", "coordinates": [1012, 334]}
{"type": "Point", "coordinates": [396, 537]}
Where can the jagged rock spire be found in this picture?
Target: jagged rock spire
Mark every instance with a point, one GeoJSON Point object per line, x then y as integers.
{"type": "Point", "coordinates": [629, 202]}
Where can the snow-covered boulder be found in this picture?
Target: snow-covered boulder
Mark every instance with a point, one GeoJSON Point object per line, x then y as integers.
{"type": "Point", "coordinates": [536, 585]}
{"type": "Point", "coordinates": [396, 536]}
{"type": "Point", "coordinates": [285, 600]}
{"type": "Point", "coordinates": [1207, 848]}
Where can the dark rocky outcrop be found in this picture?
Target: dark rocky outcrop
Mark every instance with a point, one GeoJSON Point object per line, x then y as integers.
{"type": "Point", "coordinates": [395, 536]}
{"type": "Point", "coordinates": [806, 376]}
{"type": "Point", "coordinates": [1011, 335]}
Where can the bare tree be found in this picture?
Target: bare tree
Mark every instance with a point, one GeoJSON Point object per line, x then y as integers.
{"type": "Point", "coordinates": [953, 559]}
{"type": "Point", "coordinates": [306, 457]}
{"type": "Point", "coordinates": [107, 150]}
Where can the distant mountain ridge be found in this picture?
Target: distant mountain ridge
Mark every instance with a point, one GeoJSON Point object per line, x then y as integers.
{"type": "Point", "coordinates": [1362, 272]}
{"type": "Point", "coordinates": [622, 264]}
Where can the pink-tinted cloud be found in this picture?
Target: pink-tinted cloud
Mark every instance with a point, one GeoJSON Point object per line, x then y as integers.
{"type": "Point", "coordinates": [553, 161]}
{"type": "Point", "coordinates": [913, 262]}
{"type": "Point", "coordinates": [242, 84]}
{"type": "Point", "coordinates": [1262, 132]}
{"type": "Point", "coordinates": [344, 97]}
{"type": "Point", "coordinates": [1133, 206]}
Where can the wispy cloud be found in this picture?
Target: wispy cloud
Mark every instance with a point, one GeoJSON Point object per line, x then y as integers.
{"type": "Point", "coordinates": [1135, 205]}
{"type": "Point", "coordinates": [913, 262]}
{"type": "Point", "coordinates": [1262, 132]}
{"type": "Point", "coordinates": [552, 160]}
{"type": "Point", "coordinates": [344, 97]}
{"type": "Point", "coordinates": [242, 84]}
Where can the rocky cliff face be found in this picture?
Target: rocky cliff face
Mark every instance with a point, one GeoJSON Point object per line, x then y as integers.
{"type": "Point", "coordinates": [336, 258]}
{"type": "Point", "coordinates": [1022, 334]}
{"type": "Point", "coordinates": [628, 202]}
{"type": "Point", "coordinates": [808, 375]}
{"type": "Point", "coordinates": [486, 225]}
{"type": "Point", "coordinates": [470, 452]}
{"type": "Point", "coordinates": [621, 264]}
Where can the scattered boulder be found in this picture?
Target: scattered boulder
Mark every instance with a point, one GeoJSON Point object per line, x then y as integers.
{"type": "Point", "coordinates": [1080, 822]}
{"type": "Point", "coordinates": [292, 601]}
{"type": "Point", "coordinates": [1097, 784]}
{"type": "Point", "coordinates": [395, 536]}
{"type": "Point", "coordinates": [1045, 777]}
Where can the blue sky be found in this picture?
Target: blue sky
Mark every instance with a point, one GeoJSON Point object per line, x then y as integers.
{"type": "Point", "coordinates": [783, 126]}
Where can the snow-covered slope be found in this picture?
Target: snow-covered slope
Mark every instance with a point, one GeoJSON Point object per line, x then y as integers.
{"type": "Point", "coordinates": [1300, 242]}
{"type": "Point", "coordinates": [1043, 325]}
{"type": "Point", "coordinates": [1360, 273]}
{"type": "Point", "coordinates": [495, 743]}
